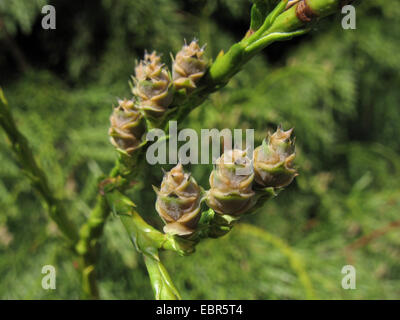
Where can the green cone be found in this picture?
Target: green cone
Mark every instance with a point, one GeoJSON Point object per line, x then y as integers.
{"type": "Point", "coordinates": [127, 127]}
{"type": "Point", "coordinates": [152, 86]}
{"type": "Point", "coordinates": [178, 202]}
{"type": "Point", "coordinates": [273, 160]}
{"type": "Point", "coordinates": [189, 66]}
{"type": "Point", "coordinates": [231, 190]}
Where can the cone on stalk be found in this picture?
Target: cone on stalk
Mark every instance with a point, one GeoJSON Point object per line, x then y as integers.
{"type": "Point", "coordinates": [127, 127]}
{"type": "Point", "coordinates": [178, 202]}
{"type": "Point", "coordinates": [273, 160]}
{"type": "Point", "coordinates": [231, 184]}
{"type": "Point", "coordinates": [189, 66]}
{"type": "Point", "coordinates": [152, 85]}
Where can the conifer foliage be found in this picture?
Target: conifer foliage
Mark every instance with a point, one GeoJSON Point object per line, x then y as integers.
{"type": "Point", "coordinates": [337, 88]}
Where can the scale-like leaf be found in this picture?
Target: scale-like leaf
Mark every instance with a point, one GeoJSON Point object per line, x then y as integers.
{"type": "Point", "coordinates": [259, 12]}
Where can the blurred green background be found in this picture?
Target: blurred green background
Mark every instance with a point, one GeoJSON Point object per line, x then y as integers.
{"type": "Point", "coordinates": [338, 88]}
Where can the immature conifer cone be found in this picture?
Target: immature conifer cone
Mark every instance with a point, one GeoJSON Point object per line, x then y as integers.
{"type": "Point", "coordinates": [273, 160]}
{"type": "Point", "coordinates": [189, 66]}
{"type": "Point", "coordinates": [178, 202]}
{"type": "Point", "coordinates": [127, 127]}
{"type": "Point", "coordinates": [152, 85]}
{"type": "Point", "coordinates": [231, 190]}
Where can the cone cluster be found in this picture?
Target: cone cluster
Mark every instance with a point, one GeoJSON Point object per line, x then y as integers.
{"type": "Point", "coordinates": [178, 202]}
{"type": "Point", "coordinates": [236, 184]}
{"type": "Point", "coordinates": [127, 127]}
{"type": "Point", "coordinates": [153, 89]}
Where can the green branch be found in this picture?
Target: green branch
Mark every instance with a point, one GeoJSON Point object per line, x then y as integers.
{"type": "Point", "coordinates": [161, 282]}
{"type": "Point", "coordinates": [90, 233]}
{"type": "Point", "coordinates": [84, 242]}
{"type": "Point", "coordinates": [148, 241]}
{"type": "Point", "coordinates": [280, 25]}
{"type": "Point", "coordinates": [37, 176]}
{"type": "Point", "coordinates": [87, 247]}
